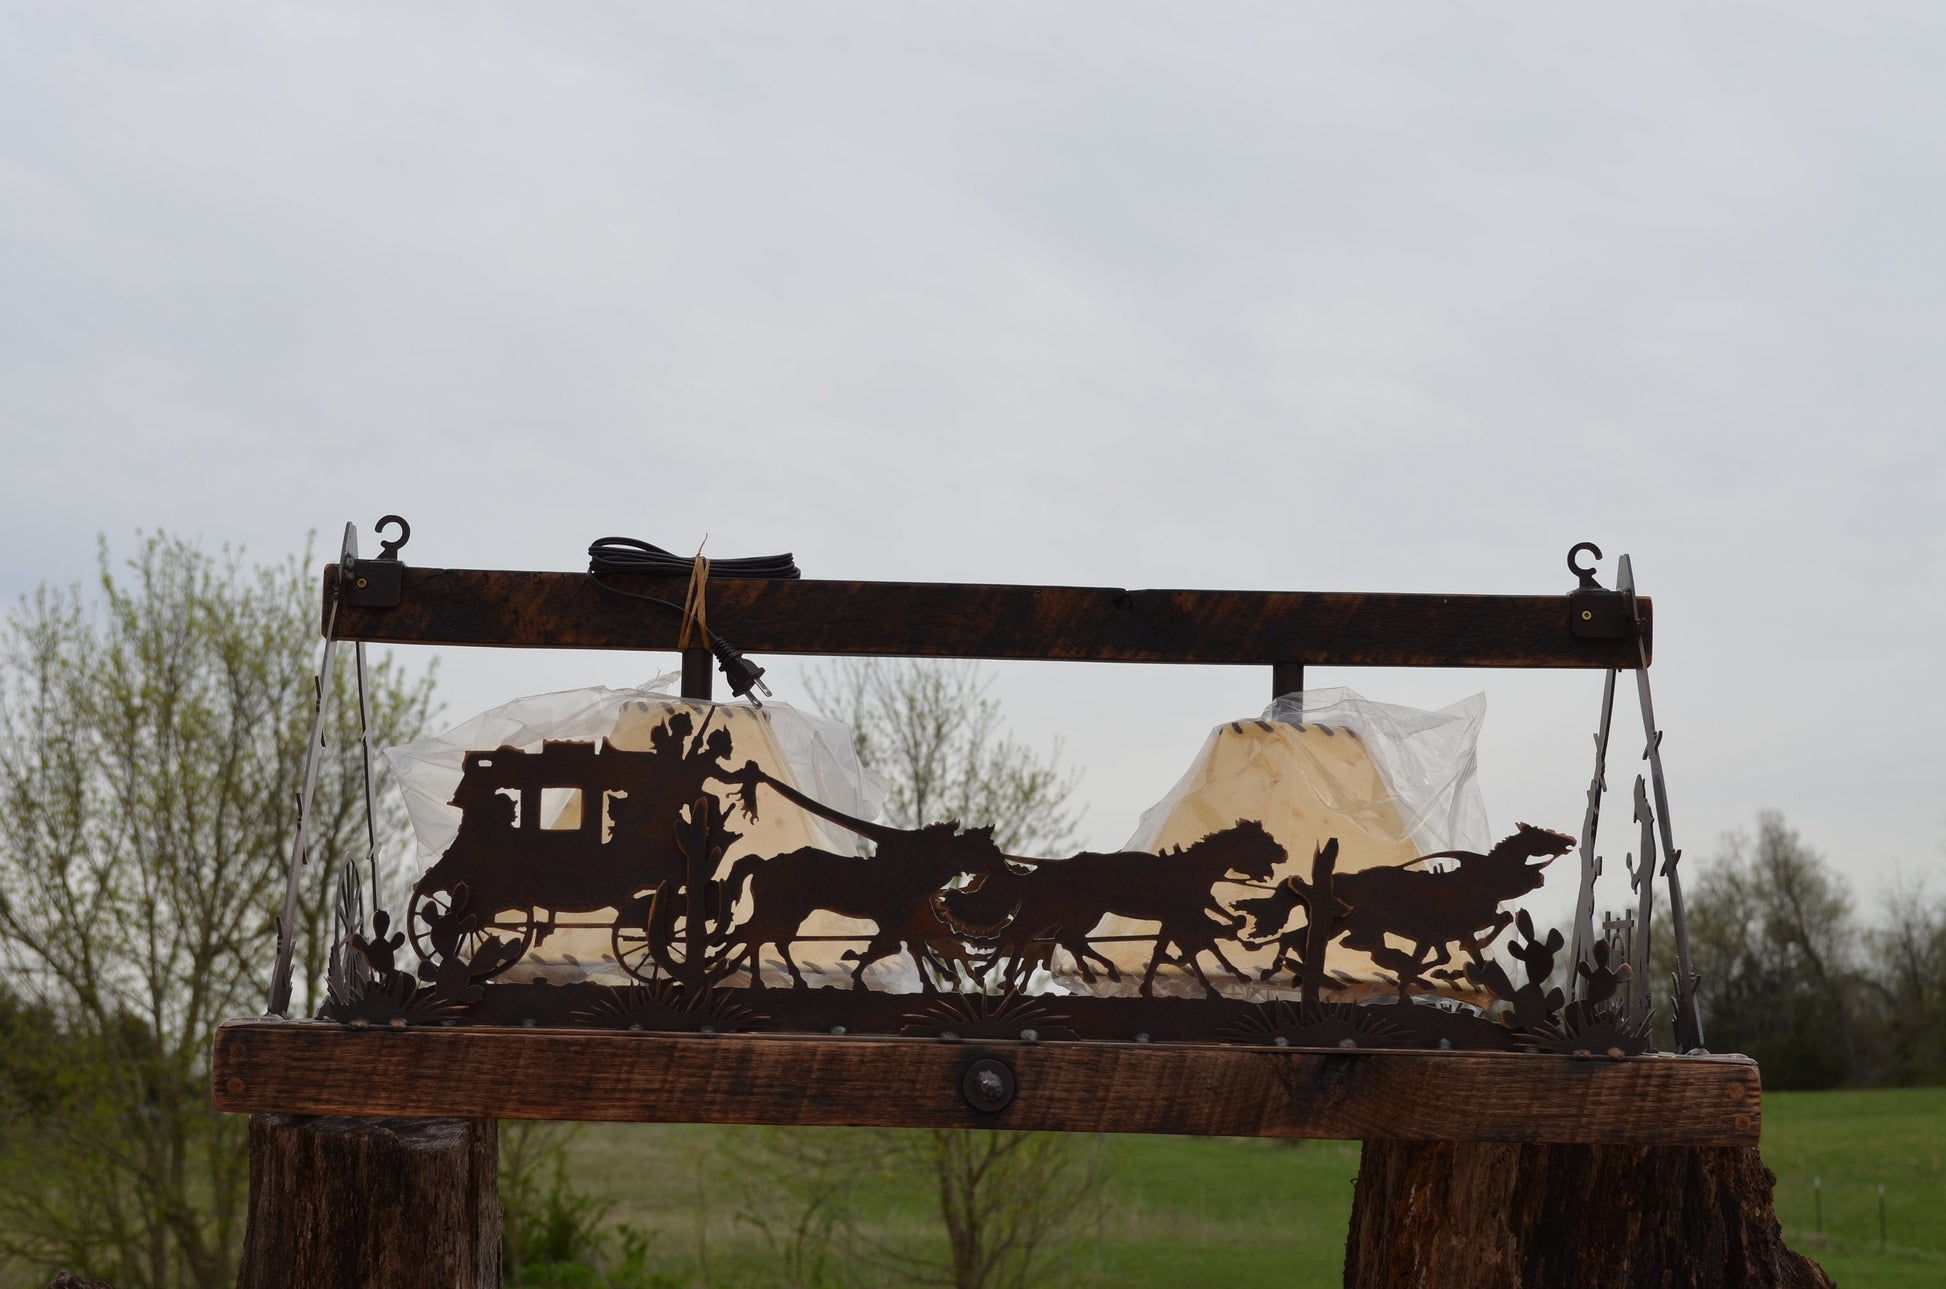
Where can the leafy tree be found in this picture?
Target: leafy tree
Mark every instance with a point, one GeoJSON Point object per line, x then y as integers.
{"type": "Point", "coordinates": [1790, 978]}
{"type": "Point", "coordinates": [1006, 1200]}
{"type": "Point", "coordinates": [1908, 985]}
{"type": "Point", "coordinates": [1772, 936]}
{"type": "Point", "coordinates": [150, 743]}
{"type": "Point", "coordinates": [930, 728]}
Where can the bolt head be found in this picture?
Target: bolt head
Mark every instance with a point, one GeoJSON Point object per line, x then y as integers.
{"type": "Point", "coordinates": [988, 1085]}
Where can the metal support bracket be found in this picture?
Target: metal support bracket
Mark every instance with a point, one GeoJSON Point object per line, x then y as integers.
{"type": "Point", "coordinates": [378, 583]}
{"type": "Point", "coordinates": [1594, 612]}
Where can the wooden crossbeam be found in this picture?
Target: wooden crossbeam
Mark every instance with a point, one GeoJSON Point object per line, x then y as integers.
{"type": "Point", "coordinates": [304, 1067]}
{"type": "Point", "coordinates": [451, 606]}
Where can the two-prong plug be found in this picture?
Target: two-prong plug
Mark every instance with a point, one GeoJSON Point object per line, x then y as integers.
{"type": "Point", "coordinates": [742, 674]}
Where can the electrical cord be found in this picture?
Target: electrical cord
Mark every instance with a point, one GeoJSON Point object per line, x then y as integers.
{"type": "Point", "coordinates": [628, 555]}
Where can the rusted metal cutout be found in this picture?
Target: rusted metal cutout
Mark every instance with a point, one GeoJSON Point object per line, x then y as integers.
{"type": "Point", "coordinates": [628, 888]}
{"type": "Point", "coordinates": [640, 848]}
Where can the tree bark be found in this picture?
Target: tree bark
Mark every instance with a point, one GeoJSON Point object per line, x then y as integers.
{"type": "Point", "coordinates": [342, 1203]}
{"type": "Point", "coordinates": [1491, 1215]}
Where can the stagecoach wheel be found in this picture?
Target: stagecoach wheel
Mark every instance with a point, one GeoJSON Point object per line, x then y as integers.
{"type": "Point", "coordinates": [431, 907]}
{"type": "Point", "coordinates": [642, 937]}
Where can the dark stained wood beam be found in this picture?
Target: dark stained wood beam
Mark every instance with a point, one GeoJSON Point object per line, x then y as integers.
{"type": "Point", "coordinates": [450, 606]}
{"type": "Point", "coordinates": [318, 1068]}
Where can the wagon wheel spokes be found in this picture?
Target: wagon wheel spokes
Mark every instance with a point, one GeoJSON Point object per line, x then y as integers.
{"type": "Point", "coordinates": [645, 941]}
{"type": "Point", "coordinates": [431, 930]}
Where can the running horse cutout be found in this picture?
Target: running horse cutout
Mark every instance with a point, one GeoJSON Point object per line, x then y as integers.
{"type": "Point", "coordinates": [1430, 909]}
{"type": "Point", "coordinates": [893, 889]}
{"type": "Point", "coordinates": [1057, 902]}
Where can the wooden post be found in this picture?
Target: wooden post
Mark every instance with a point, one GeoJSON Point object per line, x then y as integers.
{"type": "Point", "coordinates": [1497, 1215]}
{"type": "Point", "coordinates": [342, 1203]}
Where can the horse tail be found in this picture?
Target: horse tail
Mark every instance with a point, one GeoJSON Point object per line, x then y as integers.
{"type": "Point", "coordinates": [733, 889]}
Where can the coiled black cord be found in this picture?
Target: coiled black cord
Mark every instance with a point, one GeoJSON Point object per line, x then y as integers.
{"type": "Point", "coordinates": [628, 555]}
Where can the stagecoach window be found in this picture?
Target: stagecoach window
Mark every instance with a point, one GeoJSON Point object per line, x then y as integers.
{"type": "Point", "coordinates": [560, 808]}
{"type": "Point", "coordinates": [609, 808]}
{"type": "Point", "coordinates": [510, 811]}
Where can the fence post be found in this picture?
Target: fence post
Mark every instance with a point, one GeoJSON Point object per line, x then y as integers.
{"type": "Point", "coordinates": [1491, 1215]}
{"type": "Point", "coordinates": [344, 1203]}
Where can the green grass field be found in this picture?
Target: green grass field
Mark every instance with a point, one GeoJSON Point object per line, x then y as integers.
{"type": "Point", "coordinates": [1242, 1214]}
{"type": "Point", "coordinates": [1856, 1142]}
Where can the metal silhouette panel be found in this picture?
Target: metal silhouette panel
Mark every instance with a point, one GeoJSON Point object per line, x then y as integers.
{"type": "Point", "coordinates": [601, 885]}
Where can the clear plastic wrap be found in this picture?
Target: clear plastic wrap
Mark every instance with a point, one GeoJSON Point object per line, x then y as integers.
{"type": "Point", "coordinates": [1390, 783]}
{"type": "Point", "coordinates": [1414, 784]}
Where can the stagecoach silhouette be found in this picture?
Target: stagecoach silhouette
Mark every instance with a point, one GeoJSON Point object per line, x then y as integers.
{"type": "Point", "coordinates": [550, 839]}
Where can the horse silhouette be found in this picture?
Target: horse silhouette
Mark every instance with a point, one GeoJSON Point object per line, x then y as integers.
{"type": "Point", "coordinates": [893, 889]}
{"type": "Point", "coordinates": [1059, 901]}
{"type": "Point", "coordinates": [1431, 910]}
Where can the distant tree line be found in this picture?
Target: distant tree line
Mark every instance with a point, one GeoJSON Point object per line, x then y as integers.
{"type": "Point", "coordinates": [1794, 977]}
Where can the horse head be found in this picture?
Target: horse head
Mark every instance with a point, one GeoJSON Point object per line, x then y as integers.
{"type": "Point", "coordinates": [1267, 915]}
{"type": "Point", "coordinates": [1516, 862]}
{"type": "Point", "coordinates": [980, 910]}
{"type": "Point", "coordinates": [1246, 847]}
{"type": "Point", "coordinates": [969, 850]}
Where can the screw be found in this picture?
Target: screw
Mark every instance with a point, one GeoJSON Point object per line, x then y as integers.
{"type": "Point", "coordinates": [988, 1085]}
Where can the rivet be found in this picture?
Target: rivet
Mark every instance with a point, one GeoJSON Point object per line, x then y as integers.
{"type": "Point", "coordinates": [988, 1085]}
{"type": "Point", "coordinates": [1587, 615]}
{"type": "Point", "coordinates": [362, 584]}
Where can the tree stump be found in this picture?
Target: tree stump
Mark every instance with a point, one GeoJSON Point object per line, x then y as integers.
{"type": "Point", "coordinates": [342, 1203]}
{"type": "Point", "coordinates": [1492, 1215]}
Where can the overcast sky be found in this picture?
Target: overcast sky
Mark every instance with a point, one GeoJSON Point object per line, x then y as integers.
{"type": "Point", "coordinates": [1281, 296]}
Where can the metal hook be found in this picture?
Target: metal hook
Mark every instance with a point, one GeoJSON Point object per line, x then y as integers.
{"type": "Point", "coordinates": [1587, 575]}
{"type": "Point", "coordinates": [390, 549]}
